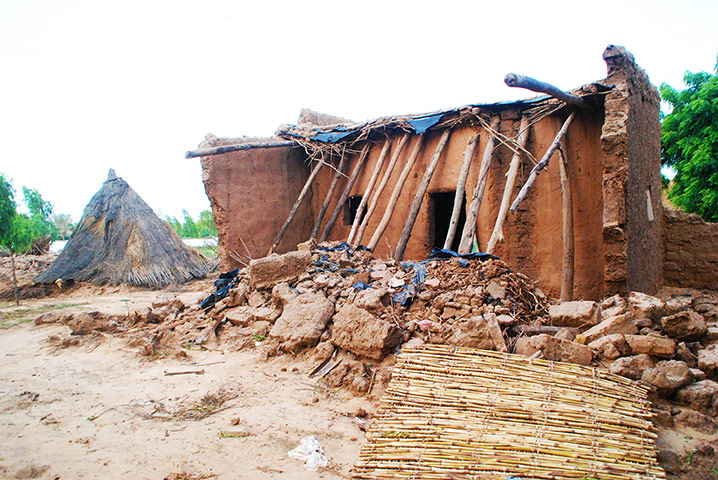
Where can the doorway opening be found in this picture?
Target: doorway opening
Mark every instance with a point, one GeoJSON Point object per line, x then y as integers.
{"type": "Point", "coordinates": [441, 204]}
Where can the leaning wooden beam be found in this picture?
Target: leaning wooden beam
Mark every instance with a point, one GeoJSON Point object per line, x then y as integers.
{"type": "Point", "coordinates": [293, 212]}
{"type": "Point", "coordinates": [367, 192]}
{"type": "Point", "coordinates": [205, 152]}
{"type": "Point", "coordinates": [396, 193]}
{"type": "Point", "coordinates": [498, 234]}
{"type": "Point", "coordinates": [345, 194]}
{"type": "Point", "coordinates": [460, 190]}
{"type": "Point", "coordinates": [567, 266]}
{"type": "Point", "coordinates": [339, 173]}
{"type": "Point", "coordinates": [380, 189]}
{"type": "Point", "coordinates": [467, 235]}
{"type": "Point", "coordinates": [419, 197]}
{"type": "Point", "coordinates": [521, 81]}
{"type": "Point", "coordinates": [542, 164]}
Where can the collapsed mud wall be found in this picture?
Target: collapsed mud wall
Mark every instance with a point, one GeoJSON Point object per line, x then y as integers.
{"type": "Point", "coordinates": [690, 249]}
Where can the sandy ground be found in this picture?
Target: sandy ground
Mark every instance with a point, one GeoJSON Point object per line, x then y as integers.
{"type": "Point", "coordinates": [100, 411]}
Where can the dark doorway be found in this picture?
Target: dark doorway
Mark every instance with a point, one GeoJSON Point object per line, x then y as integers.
{"type": "Point", "coordinates": [441, 205]}
{"type": "Point", "coordinates": [350, 209]}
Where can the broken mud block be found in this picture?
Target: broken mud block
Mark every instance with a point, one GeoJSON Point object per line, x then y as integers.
{"type": "Point", "coordinates": [364, 334]}
{"type": "Point", "coordinates": [479, 332]}
{"type": "Point", "coordinates": [373, 300]}
{"type": "Point", "coordinates": [612, 306]}
{"type": "Point", "coordinates": [678, 304]}
{"type": "Point", "coordinates": [708, 360]}
{"type": "Point", "coordinates": [642, 305]}
{"type": "Point", "coordinates": [243, 316]}
{"type": "Point", "coordinates": [668, 376]}
{"type": "Point", "coordinates": [618, 324]}
{"type": "Point", "coordinates": [632, 367]}
{"type": "Point", "coordinates": [688, 417]}
{"type": "Point", "coordinates": [555, 349]}
{"type": "Point", "coordinates": [688, 325]}
{"type": "Point", "coordinates": [684, 353]}
{"type": "Point", "coordinates": [652, 345]}
{"type": "Point", "coordinates": [574, 314]}
{"type": "Point", "coordinates": [611, 346]}
{"type": "Point", "coordinates": [303, 321]}
{"type": "Point", "coordinates": [701, 396]}
{"type": "Point", "coordinates": [88, 322]}
{"type": "Point", "coordinates": [268, 271]}
{"type": "Point", "coordinates": [237, 296]}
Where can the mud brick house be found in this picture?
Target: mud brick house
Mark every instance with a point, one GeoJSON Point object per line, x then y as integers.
{"type": "Point", "coordinates": [590, 223]}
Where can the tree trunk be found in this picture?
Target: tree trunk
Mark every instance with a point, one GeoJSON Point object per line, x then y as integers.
{"type": "Point", "coordinates": [521, 81]}
{"type": "Point", "coordinates": [14, 277]}
{"type": "Point", "coordinates": [396, 193]}
{"type": "Point", "coordinates": [498, 234]}
{"type": "Point", "coordinates": [419, 197]}
{"type": "Point", "coordinates": [339, 173]}
{"type": "Point", "coordinates": [460, 190]}
{"type": "Point", "coordinates": [367, 191]}
{"type": "Point", "coordinates": [567, 267]}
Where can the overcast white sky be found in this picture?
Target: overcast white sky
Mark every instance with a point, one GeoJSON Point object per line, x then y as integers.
{"type": "Point", "coordinates": [131, 85]}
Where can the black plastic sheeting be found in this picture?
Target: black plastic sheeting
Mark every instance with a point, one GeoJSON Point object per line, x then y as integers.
{"type": "Point", "coordinates": [226, 281]}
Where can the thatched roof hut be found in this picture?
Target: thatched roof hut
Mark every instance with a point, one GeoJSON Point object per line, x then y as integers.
{"type": "Point", "coordinates": [121, 240]}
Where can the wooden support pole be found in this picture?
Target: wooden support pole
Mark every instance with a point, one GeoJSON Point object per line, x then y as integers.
{"type": "Point", "coordinates": [345, 194]}
{"type": "Point", "coordinates": [367, 192]}
{"type": "Point", "coordinates": [396, 193]}
{"type": "Point", "coordinates": [293, 212]}
{"type": "Point", "coordinates": [567, 265]}
{"type": "Point", "coordinates": [542, 164]}
{"type": "Point", "coordinates": [467, 235]}
{"type": "Point", "coordinates": [498, 234]}
{"type": "Point", "coordinates": [205, 152]}
{"type": "Point", "coordinates": [460, 190]}
{"type": "Point", "coordinates": [339, 173]}
{"type": "Point", "coordinates": [419, 197]}
{"type": "Point", "coordinates": [521, 81]}
{"type": "Point", "coordinates": [380, 189]}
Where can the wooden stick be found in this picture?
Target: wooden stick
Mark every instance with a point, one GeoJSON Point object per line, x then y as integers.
{"type": "Point", "coordinates": [345, 194]}
{"type": "Point", "coordinates": [293, 212]}
{"type": "Point", "coordinates": [521, 81]}
{"type": "Point", "coordinates": [396, 193]}
{"type": "Point", "coordinates": [339, 173]}
{"type": "Point", "coordinates": [205, 152]}
{"type": "Point", "coordinates": [468, 232]}
{"type": "Point", "coordinates": [542, 164]}
{"type": "Point", "coordinates": [367, 191]}
{"type": "Point", "coordinates": [460, 190]}
{"type": "Point", "coordinates": [498, 234]}
{"type": "Point", "coordinates": [380, 189]}
{"type": "Point", "coordinates": [419, 197]}
{"type": "Point", "coordinates": [567, 265]}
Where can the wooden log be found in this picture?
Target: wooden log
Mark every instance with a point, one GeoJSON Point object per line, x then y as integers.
{"type": "Point", "coordinates": [460, 190]}
{"type": "Point", "coordinates": [467, 235]}
{"type": "Point", "coordinates": [380, 189]}
{"type": "Point", "coordinates": [521, 81]}
{"type": "Point", "coordinates": [345, 194]}
{"type": "Point", "coordinates": [367, 192]}
{"type": "Point", "coordinates": [542, 164]}
{"type": "Point", "coordinates": [567, 265]}
{"type": "Point", "coordinates": [498, 234]}
{"type": "Point", "coordinates": [205, 152]}
{"type": "Point", "coordinates": [396, 193]}
{"type": "Point", "coordinates": [339, 173]}
{"type": "Point", "coordinates": [419, 197]}
{"type": "Point", "coordinates": [531, 330]}
{"type": "Point", "coordinates": [296, 205]}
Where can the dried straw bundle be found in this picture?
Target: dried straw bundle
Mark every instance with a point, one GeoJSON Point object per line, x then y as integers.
{"type": "Point", "coordinates": [471, 414]}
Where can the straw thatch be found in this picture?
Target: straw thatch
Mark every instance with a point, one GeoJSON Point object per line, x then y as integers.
{"type": "Point", "coordinates": [121, 240]}
{"type": "Point", "coordinates": [471, 414]}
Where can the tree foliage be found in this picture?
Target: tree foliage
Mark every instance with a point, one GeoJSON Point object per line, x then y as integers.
{"type": "Point", "coordinates": [189, 228]}
{"type": "Point", "coordinates": [690, 143]}
{"type": "Point", "coordinates": [7, 208]}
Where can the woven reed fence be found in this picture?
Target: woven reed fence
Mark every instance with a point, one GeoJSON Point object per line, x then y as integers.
{"type": "Point", "coordinates": [459, 413]}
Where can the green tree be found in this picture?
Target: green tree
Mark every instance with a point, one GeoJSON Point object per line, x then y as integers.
{"type": "Point", "coordinates": [188, 228]}
{"type": "Point", "coordinates": [7, 208]}
{"type": "Point", "coordinates": [205, 224]}
{"type": "Point", "coordinates": [690, 143]}
{"type": "Point", "coordinates": [40, 211]}
{"type": "Point", "coordinates": [63, 226]}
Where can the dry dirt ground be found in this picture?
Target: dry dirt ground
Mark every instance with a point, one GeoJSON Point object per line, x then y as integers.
{"type": "Point", "coordinates": [99, 410]}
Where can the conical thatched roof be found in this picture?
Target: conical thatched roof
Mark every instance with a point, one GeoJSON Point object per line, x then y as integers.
{"type": "Point", "coordinates": [121, 240]}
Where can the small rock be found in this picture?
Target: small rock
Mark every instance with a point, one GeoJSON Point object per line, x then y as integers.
{"type": "Point", "coordinates": [684, 353]}
{"type": "Point", "coordinates": [631, 367]}
{"type": "Point", "coordinates": [496, 291]}
{"type": "Point", "coordinates": [555, 349]}
{"type": "Point", "coordinates": [618, 324]}
{"type": "Point", "coordinates": [645, 306]}
{"type": "Point", "coordinates": [505, 320]}
{"type": "Point", "coordinates": [688, 325]}
{"type": "Point", "coordinates": [652, 345]}
{"type": "Point", "coordinates": [373, 300]}
{"type": "Point", "coordinates": [431, 282]}
{"type": "Point", "coordinates": [701, 396]}
{"type": "Point", "coordinates": [612, 306]}
{"type": "Point", "coordinates": [678, 304]}
{"type": "Point", "coordinates": [574, 314]}
{"type": "Point", "coordinates": [611, 346]}
{"type": "Point", "coordinates": [698, 374]}
{"type": "Point", "coordinates": [708, 360]}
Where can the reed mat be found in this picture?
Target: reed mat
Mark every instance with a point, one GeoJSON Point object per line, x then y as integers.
{"type": "Point", "coordinates": [461, 413]}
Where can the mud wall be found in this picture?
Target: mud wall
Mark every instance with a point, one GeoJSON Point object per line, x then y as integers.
{"type": "Point", "coordinates": [251, 193]}
{"type": "Point", "coordinates": [690, 249]}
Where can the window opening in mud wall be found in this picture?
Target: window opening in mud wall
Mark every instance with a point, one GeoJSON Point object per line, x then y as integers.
{"type": "Point", "coordinates": [350, 209]}
{"type": "Point", "coordinates": [441, 205]}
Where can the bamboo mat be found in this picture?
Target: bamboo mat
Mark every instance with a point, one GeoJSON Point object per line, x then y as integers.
{"type": "Point", "coordinates": [460, 413]}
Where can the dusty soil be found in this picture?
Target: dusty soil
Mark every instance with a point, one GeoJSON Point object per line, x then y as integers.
{"type": "Point", "coordinates": [99, 410]}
